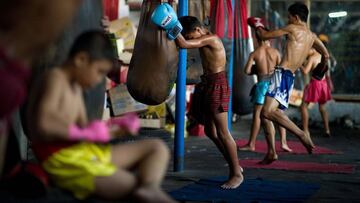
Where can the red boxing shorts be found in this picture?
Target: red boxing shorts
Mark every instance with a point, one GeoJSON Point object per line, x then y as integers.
{"type": "Point", "coordinates": [211, 95]}
{"type": "Point", "coordinates": [216, 92]}
{"type": "Point", "coordinates": [317, 91]}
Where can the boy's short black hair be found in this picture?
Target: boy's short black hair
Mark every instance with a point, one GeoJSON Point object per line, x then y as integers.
{"type": "Point", "coordinates": [300, 10]}
{"type": "Point", "coordinates": [96, 44]}
{"type": "Point", "coordinates": [189, 23]}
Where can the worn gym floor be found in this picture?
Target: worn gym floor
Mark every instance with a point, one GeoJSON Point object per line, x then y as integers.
{"type": "Point", "coordinates": [202, 160]}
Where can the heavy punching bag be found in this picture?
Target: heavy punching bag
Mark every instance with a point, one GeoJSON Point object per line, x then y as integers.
{"type": "Point", "coordinates": [152, 70]}
{"type": "Point", "coordinates": [243, 46]}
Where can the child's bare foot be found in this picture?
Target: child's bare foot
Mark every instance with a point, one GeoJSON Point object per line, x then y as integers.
{"type": "Point", "coordinates": [268, 159]}
{"type": "Point", "coordinates": [247, 147]}
{"type": "Point", "coordinates": [285, 148]}
{"type": "Point", "coordinates": [307, 142]}
{"type": "Point", "coordinates": [327, 134]}
{"type": "Point", "coordinates": [234, 181]}
{"type": "Point", "coordinates": [152, 195]}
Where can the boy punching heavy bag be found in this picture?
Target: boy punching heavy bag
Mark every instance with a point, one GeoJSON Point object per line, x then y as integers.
{"type": "Point", "coordinates": [152, 70]}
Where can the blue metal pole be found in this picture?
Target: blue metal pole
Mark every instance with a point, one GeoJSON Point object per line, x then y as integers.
{"type": "Point", "coordinates": [180, 101]}
{"type": "Point", "coordinates": [230, 71]}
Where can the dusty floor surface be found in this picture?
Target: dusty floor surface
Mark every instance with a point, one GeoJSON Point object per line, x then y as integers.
{"type": "Point", "coordinates": [202, 160]}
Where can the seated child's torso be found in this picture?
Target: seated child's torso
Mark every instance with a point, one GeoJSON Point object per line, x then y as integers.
{"type": "Point", "coordinates": [68, 104]}
{"type": "Point", "coordinates": [66, 100]}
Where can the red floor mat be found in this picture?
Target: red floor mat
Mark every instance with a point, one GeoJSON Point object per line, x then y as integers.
{"type": "Point", "coordinates": [300, 166]}
{"type": "Point", "coordinates": [297, 147]}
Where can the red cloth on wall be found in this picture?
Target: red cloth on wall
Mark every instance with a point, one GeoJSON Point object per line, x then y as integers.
{"type": "Point", "coordinates": [111, 9]}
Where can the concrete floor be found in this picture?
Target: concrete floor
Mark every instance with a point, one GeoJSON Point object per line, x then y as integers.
{"type": "Point", "coordinates": [202, 160]}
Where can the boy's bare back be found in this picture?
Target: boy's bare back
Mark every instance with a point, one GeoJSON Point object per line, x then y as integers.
{"type": "Point", "coordinates": [266, 58]}
{"type": "Point", "coordinates": [299, 42]}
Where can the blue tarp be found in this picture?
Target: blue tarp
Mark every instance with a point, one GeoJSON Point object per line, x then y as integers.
{"type": "Point", "coordinates": [251, 190]}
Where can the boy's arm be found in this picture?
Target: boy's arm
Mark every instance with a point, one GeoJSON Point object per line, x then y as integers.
{"type": "Point", "coordinates": [55, 125]}
{"type": "Point", "coordinates": [329, 81]}
{"type": "Point", "coordinates": [195, 43]}
{"type": "Point", "coordinates": [249, 64]}
{"type": "Point", "coordinates": [83, 120]}
{"type": "Point", "coordinates": [320, 47]}
{"type": "Point", "coordinates": [308, 66]}
{"type": "Point", "coordinates": [52, 122]}
{"type": "Point", "coordinates": [265, 35]}
{"type": "Point", "coordinates": [278, 57]}
{"type": "Point", "coordinates": [105, 23]}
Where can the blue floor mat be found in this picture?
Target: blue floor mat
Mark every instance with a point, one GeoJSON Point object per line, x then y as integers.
{"type": "Point", "coordinates": [251, 190]}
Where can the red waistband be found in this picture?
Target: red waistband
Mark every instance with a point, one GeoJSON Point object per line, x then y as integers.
{"type": "Point", "coordinates": [43, 150]}
{"type": "Point", "coordinates": [213, 76]}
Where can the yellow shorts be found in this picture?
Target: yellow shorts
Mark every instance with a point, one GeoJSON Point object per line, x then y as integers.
{"type": "Point", "coordinates": [74, 168]}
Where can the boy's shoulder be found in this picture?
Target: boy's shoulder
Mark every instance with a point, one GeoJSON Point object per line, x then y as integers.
{"type": "Point", "coordinates": [54, 75]}
{"type": "Point", "coordinates": [272, 49]}
{"type": "Point", "coordinates": [259, 49]}
{"type": "Point", "coordinates": [55, 72]}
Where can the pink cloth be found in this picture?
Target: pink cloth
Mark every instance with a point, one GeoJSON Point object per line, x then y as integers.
{"type": "Point", "coordinates": [300, 166]}
{"type": "Point", "coordinates": [96, 131]}
{"type": "Point", "coordinates": [297, 147]}
{"type": "Point", "coordinates": [317, 91]}
{"type": "Point", "coordinates": [130, 122]}
{"type": "Point", "coordinates": [13, 84]}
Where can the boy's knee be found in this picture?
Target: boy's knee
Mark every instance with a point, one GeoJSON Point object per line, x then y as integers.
{"type": "Point", "coordinates": [160, 147]}
{"type": "Point", "coordinates": [303, 106]}
{"type": "Point", "coordinates": [223, 133]}
{"type": "Point", "coordinates": [265, 114]}
{"type": "Point", "coordinates": [321, 108]}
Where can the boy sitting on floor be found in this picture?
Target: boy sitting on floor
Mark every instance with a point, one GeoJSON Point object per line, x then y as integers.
{"type": "Point", "coordinates": [73, 150]}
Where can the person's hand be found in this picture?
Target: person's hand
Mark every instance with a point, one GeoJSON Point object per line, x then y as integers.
{"type": "Point", "coordinates": [129, 123]}
{"type": "Point", "coordinates": [105, 23]}
{"type": "Point", "coordinates": [330, 83]}
{"type": "Point", "coordinates": [165, 17]}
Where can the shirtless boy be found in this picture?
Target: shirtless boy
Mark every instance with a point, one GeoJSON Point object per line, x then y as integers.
{"type": "Point", "coordinates": [299, 41]}
{"type": "Point", "coordinates": [73, 150]}
{"type": "Point", "coordinates": [215, 92]}
{"type": "Point", "coordinates": [265, 58]}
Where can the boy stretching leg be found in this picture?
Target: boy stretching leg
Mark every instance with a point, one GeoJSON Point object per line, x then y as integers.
{"type": "Point", "coordinates": [300, 40]}
{"type": "Point", "coordinates": [265, 58]}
